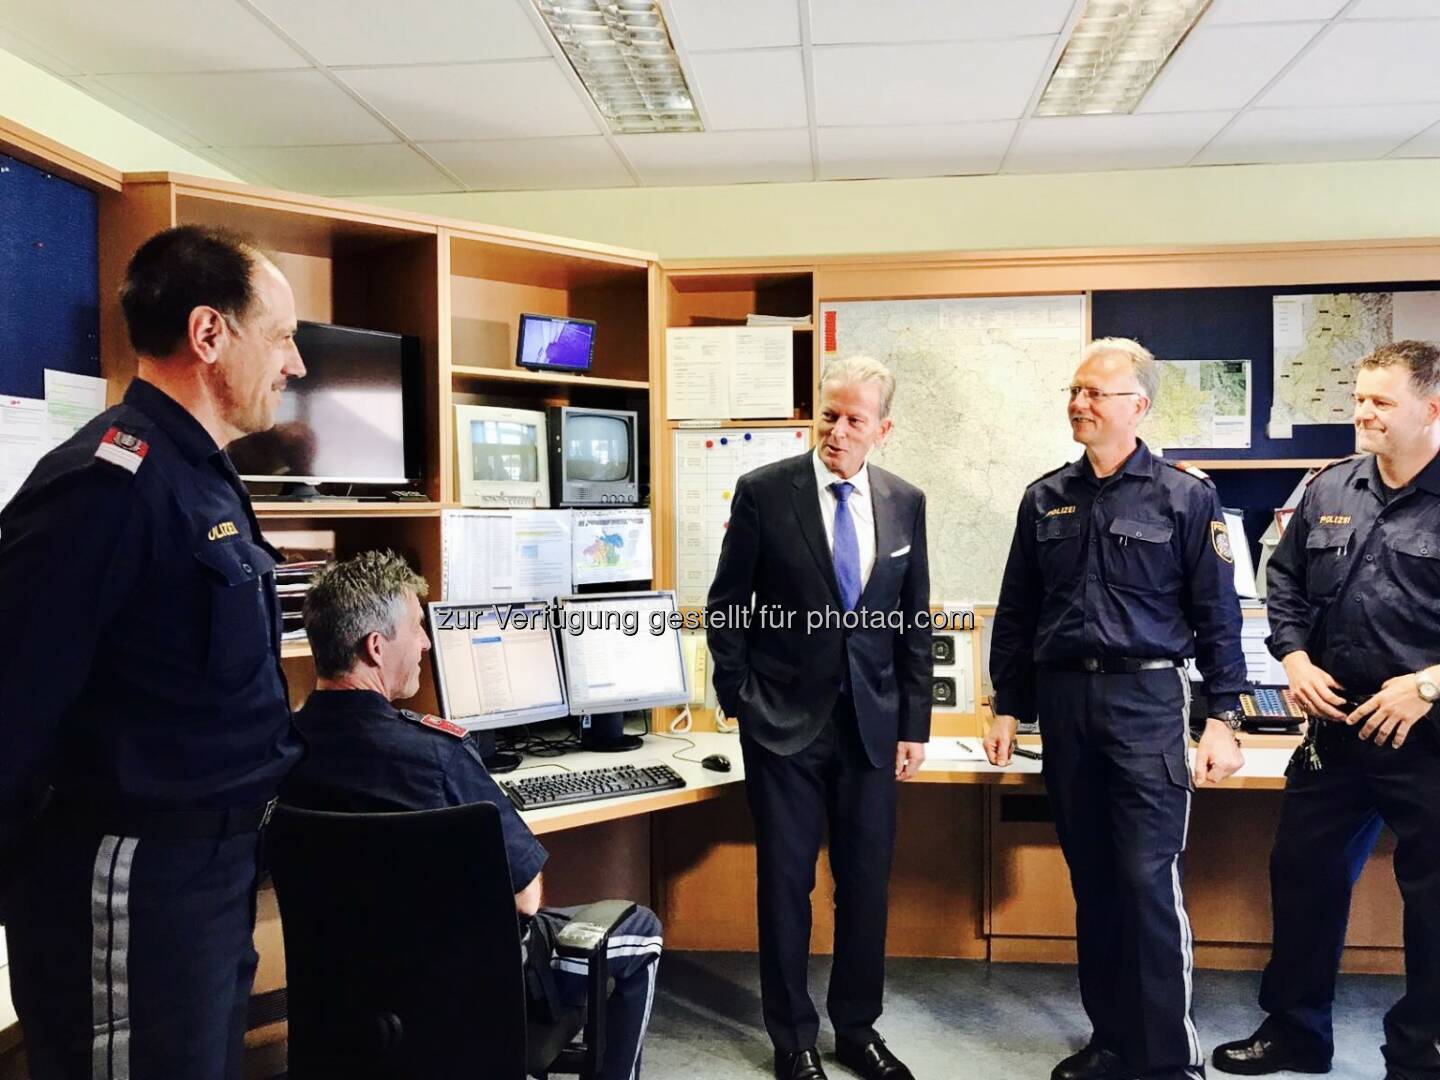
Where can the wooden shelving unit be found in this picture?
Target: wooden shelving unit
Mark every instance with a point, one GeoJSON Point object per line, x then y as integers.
{"type": "Point", "coordinates": [462, 374]}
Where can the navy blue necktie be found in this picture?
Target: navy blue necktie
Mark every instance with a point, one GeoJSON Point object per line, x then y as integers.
{"type": "Point", "coordinates": [846, 548]}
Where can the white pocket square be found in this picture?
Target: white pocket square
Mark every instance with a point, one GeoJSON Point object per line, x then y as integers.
{"type": "Point", "coordinates": [903, 551]}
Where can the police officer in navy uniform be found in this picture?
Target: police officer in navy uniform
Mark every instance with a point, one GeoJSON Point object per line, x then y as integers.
{"type": "Point", "coordinates": [1121, 569]}
{"type": "Point", "coordinates": [1354, 606]}
{"type": "Point", "coordinates": [144, 716]}
{"type": "Point", "coordinates": [367, 634]}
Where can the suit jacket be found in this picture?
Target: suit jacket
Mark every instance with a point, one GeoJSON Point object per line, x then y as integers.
{"type": "Point", "coordinates": [781, 681]}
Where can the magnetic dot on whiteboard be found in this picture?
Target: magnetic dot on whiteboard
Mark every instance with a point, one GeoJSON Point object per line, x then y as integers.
{"type": "Point", "coordinates": [724, 442]}
{"type": "Point", "coordinates": [747, 436]}
{"type": "Point", "coordinates": [799, 434]}
{"type": "Point", "coordinates": [709, 444]}
{"type": "Point", "coordinates": [725, 495]}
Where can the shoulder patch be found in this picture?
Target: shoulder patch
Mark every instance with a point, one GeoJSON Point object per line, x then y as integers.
{"type": "Point", "coordinates": [1220, 541]}
{"type": "Point", "coordinates": [1326, 468]}
{"type": "Point", "coordinates": [1190, 470]}
{"type": "Point", "coordinates": [122, 448]}
{"type": "Point", "coordinates": [437, 723]}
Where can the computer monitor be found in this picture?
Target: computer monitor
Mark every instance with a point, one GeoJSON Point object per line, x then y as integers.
{"type": "Point", "coordinates": [352, 419]}
{"type": "Point", "coordinates": [496, 665]}
{"type": "Point", "coordinates": [553, 343]}
{"type": "Point", "coordinates": [622, 651]}
{"type": "Point", "coordinates": [594, 456]}
{"type": "Point", "coordinates": [500, 457]}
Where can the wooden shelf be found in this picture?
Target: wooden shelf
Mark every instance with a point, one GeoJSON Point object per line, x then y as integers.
{"type": "Point", "coordinates": [1211, 464]}
{"type": "Point", "coordinates": [736, 425]}
{"type": "Point", "coordinates": [290, 649]}
{"type": "Point", "coordinates": [802, 328]}
{"type": "Point", "coordinates": [545, 378]}
{"type": "Point", "coordinates": [327, 509]}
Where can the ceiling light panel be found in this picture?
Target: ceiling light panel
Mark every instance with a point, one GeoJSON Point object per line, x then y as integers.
{"type": "Point", "coordinates": [622, 52]}
{"type": "Point", "coordinates": [1114, 53]}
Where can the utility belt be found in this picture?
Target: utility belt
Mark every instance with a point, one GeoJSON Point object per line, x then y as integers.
{"type": "Point", "coordinates": [113, 820]}
{"type": "Point", "coordinates": [1112, 665]}
{"type": "Point", "coordinates": [1322, 734]}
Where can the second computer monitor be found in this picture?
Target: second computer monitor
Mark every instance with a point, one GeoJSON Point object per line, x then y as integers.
{"type": "Point", "coordinates": [622, 651]}
{"type": "Point", "coordinates": [496, 665]}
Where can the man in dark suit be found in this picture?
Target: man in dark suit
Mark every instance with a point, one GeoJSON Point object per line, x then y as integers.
{"type": "Point", "coordinates": [828, 673]}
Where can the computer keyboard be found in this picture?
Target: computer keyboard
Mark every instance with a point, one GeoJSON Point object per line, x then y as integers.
{"type": "Point", "coordinates": [587, 785]}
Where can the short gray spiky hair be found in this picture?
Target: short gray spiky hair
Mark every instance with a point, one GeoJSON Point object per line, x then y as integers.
{"type": "Point", "coordinates": [348, 601]}
{"type": "Point", "coordinates": [1147, 371]}
{"type": "Point", "coordinates": [855, 369]}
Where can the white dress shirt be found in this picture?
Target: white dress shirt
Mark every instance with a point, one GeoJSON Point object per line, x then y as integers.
{"type": "Point", "coordinates": [860, 505]}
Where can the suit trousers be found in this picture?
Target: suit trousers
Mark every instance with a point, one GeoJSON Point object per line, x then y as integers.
{"type": "Point", "coordinates": [1329, 823]}
{"type": "Point", "coordinates": [1117, 779]}
{"type": "Point", "coordinates": [792, 798]}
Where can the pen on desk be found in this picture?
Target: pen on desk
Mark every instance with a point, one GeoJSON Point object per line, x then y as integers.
{"type": "Point", "coordinates": [1020, 751]}
{"type": "Point", "coordinates": [964, 746]}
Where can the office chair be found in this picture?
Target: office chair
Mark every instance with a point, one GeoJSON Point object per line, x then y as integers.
{"type": "Point", "coordinates": [403, 952]}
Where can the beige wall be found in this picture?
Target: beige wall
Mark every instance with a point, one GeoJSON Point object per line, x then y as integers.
{"type": "Point", "coordinates": [1218, 205]}
{"type": "Point", "coordinates": [39, 101]}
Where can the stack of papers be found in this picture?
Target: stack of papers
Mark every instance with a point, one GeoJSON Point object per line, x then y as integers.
{"type": "Point", "coordinates": [777, 320]}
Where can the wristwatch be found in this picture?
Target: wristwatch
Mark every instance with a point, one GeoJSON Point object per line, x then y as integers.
{"type": "Point", "coordinates": [1427, 687]}
{"type": "Point", "coordinates": [1230, 717]}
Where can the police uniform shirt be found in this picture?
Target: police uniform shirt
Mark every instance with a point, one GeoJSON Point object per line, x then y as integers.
{"type": "Point", "coordinates": [365, 754]}
{"type": "Point", "coordinates": [142, 665]}
{"type": "Point", "coordinates": [1355, 579]}
{"type": "Point", "coordinates": [1137, 564]}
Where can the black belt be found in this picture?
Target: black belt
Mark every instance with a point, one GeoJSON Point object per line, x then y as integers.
{"type": "Point", "coordinates": [114, 820]}
{"type": "Point", "coordinates": [1113, 665]}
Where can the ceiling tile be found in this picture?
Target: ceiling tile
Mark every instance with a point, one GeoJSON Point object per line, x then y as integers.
{"type": "Point", "coordinates": [1365, 63]}
{"type": "Point", "coordinates": [1223, 12]}
{"type": "Point", "coordinates": [762, 88]}
{"type": "Point", "coordinates": [701, 25]}
{"type": "Point", "coordinates": [344, 170]}
{"type": "Point", "coordinates": [864, 21]}
{"type": "Point", "coordinates": [272, 108]}
{"type": "Point", "coordinates": [434, 32]}
{"type": "Point", "coordinates": [858, 86]}
{"type": "Point", "coordinates": [510, 99]}
{"type": "Point", "coordinates": [585, 161]}
{"type": "Point", "coordinates": [1426, 144]}
{"type": "Point", "coordinates": [719, 157]}
{"type": "Point", "coordinates": [1105, 143]}
{"type": "Point", "coordinates": [1225, 68]}
{"type": "Point", "coordinates": [27, 50]}
{"type": "Point", "coordinates": [150, 35]}
{"type": "Point", "coordinates": [145, 117]}
{"type": "Point", "coordinates": [921, 150]}
{"type": "Point", "coordinates": [1394, 9]}
{"type": "Point", "coordinates": [1268, 135]}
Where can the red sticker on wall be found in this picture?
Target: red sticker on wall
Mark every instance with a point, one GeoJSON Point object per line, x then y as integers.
{"type": "Point", "coordinates": [830, 345]}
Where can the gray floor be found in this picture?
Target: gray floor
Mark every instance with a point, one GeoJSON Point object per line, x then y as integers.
{"type": "Point", "coordinates": [950, 1019]}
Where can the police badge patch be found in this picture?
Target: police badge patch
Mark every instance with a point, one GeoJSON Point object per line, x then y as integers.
{"type": "Point", "coordinates": [121, 448]}
{"type": "Point", "coordinates": [1220, 541]}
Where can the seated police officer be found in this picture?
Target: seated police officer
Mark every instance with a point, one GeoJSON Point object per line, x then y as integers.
{"type": "Point", "coordinates": [367, 633]}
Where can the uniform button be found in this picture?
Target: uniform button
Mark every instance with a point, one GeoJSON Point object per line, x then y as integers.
{"type": "Point", "coordinates": [1371, 558]}
{"type": "Point", "coordinates": [248, 568]}
{"type": "Point", "coordinates": [1138, 534]}
{"type": "Point", "coordinates": [1089, 577]}
{"type": "Point", "coordinates": [1424, 551]}
{"type": "Point", "coordinates": [1357, 599]}
{"type": "Point", "coordinates": [1379, 521]}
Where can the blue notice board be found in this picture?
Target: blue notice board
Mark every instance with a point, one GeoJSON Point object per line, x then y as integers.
{"type": "Point", "coordinates": [49, 278]}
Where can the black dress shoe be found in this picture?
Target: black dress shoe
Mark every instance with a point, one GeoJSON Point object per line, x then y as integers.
{"type": "Point", "coordinates": [1261, 1054]}
{"type": "Point", "coordinates": [872, 1060]}
{"type": "Point", "coordinates": [799, 1065]}
{"type": "Point", "coordinates": [1092, 1063]}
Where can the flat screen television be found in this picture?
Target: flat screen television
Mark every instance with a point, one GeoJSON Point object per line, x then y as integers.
{"type": "Point", "coordinates": [594, 456]}
{"type": "Point", "coordinates": [350, 420]}
{"type": "Point", "coordinates": [553, 343]}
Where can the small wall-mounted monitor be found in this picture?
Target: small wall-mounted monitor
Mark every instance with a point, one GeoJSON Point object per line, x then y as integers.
{"type": "Point", "coordinates": [352, 419]}
{"type": "Point", "coordinates": [553, 343]}
{"type": "Point", "coordinates": [496, 665]}
{"type": "Point", "coordinates": [594, 456]}
{"type": "Point", "coordinates": [622, 651]}
{"type": "Point", "coordinates": [500, 457]}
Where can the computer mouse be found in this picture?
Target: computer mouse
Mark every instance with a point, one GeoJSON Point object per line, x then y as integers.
{"type": "Point", "coordinates": [716, 763]}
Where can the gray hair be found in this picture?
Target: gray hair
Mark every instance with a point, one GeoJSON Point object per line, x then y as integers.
{"type": "Point", "coordinates": [1147, 371]}
{"type": "Point", "coordinates": [1420, 358]}
{"type": "Point", "coordinates": [857, 369]}
{"type": "Point", "coordinates": [348, 601]}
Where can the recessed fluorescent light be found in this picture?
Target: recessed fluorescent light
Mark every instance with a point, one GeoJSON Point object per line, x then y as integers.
{"type": "Point", "coordinates": [1114, 53]}
{"type": "Point", "coordinates": [622, 52]}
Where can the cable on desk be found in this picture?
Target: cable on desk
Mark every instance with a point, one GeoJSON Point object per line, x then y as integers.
{"type": "Point", "coordinates": [689, 745]}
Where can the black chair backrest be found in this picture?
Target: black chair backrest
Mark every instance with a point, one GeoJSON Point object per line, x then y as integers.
{"type": "Point", "coordinates": [402, 947]}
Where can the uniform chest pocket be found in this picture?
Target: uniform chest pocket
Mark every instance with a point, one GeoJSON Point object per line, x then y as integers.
{"type": "Point", "coordinates": [1139, 557]}
{"type": "Point", "coordinates": [236, 574]}
{"type": "Point", "coordinates": [1416, 562]}
{"type": "Point", "coordinates": [1057, 546]}
{"type": "Point", "coordinates": [1327, 558]}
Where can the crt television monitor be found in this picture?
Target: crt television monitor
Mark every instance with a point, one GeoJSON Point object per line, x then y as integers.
{"type": "Point", "coordinates": [496, 665]}
{"type": "Point", "coordinates": [553, 343]}
{"type": "Point", "coordinates": [351, 419]}
{"type": "Point", "coordinates": [500, 457]}
{"type": "Point", "coordinates": [594, 456]}
{"type": "Point", "coordinates": [622, 651]}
